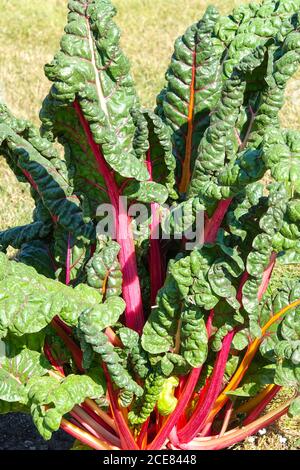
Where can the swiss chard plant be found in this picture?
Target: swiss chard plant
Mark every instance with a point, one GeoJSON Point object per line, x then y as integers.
{"type": "Point", "coordinates": [132, 339]}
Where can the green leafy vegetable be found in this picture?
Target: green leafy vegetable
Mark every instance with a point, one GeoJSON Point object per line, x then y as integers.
{"type": "Point", "coordinates": [120, 329]}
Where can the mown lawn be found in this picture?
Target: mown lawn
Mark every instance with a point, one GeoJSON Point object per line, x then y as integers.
{"type": "Point", "coordinates": [29, 36]}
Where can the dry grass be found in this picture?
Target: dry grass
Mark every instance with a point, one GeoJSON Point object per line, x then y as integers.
{"type": "Point", "coordinates": [282, 435]}
{"type": "Point", "coordinates": [29, 36]}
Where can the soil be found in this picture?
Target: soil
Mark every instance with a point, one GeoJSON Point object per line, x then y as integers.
{"type": "Point", "coordinates": [17, 432]}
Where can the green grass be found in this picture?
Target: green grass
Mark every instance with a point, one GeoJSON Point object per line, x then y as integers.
{"type": "Point", "coordinates": [29, 36]}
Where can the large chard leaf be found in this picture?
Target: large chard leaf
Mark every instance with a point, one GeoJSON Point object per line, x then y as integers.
{"type": "Point", "coordinates": [104, 272]}
{"type": "Point", "coordinates": [219, 145]}
{"type": "Point", "coordinates": [91, 325]}
{"type": "Point", "coordinates": [89, 108]}
{"type": "Point", "coordinates": [16, 372]}
{"type": "Point", "coordinates": [93, 69]}
{"type": "Point", "coordinates": [282, 345]}
{"type": "Point", "coordinates": [223, 166]}
{"type": "Point", "coordinates": [29, 301]}
{"type": "Point", "coordinates": [193, 89]}
{"type": "Point", "coordinates": [195, 284]}
{"type": "Point", "coordinates": [26, 158]}
{"type": "Point", "coordinates": [35, 160]}
{"type": "Point", "coordinates": [204, 58]}
{"type": "Point", "coordinates": [50, 399]}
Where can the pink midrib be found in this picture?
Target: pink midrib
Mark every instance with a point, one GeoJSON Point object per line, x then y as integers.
{"type": "Point", "coordinates": [155, 261]}
{"type": "Point", "coordinates": [127, 258]}
{"type": "Point", "coordinates": [267, 276]}
{"type": "Point", "coordinates": [191, 429]}
{"type": "Point", "coordinates": [68, 261]}
{"type": "Point", "coordinates": [213, 225]}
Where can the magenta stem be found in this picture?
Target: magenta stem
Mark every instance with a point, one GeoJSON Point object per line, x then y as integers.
{"type": "Point", "coordinates": [157, 274]}
{"type": "Point", "coordinates": [93, 427]}
{"type": "Point", "coordinates": [236, 435]}
{"type": "Point", "coordinates": [267, 276]}
{"type": "Point", "coordinates": [213, 225]}
{"type": "Point", "coordinates": [127, 440]}
{"type": "Point", "coordinates": [68, 261]}
{"type": "Point", "coordinates": [262, 405]}
{"type": "Point", "coordinates": [127, 258]}
{"type": "Point", "coordinates": [195, 424]}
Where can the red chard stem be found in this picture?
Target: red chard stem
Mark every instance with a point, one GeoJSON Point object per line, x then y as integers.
{"type": "Point", "coordinates": [156, 265]}
{"type": "Point", "coordinates": [213, 225]}
{"type": "Point", "coordinates": [195, 424]}
{"type": "Point", "coordinates": [127, 258]}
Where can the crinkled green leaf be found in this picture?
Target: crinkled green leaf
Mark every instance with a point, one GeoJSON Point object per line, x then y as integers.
{"type": "Point", "coordinates": [18, 236]}
{"type": "Point", "coordinates": [36, 161]}
{"type": "Point", "coordinates": [29, 301]}
{"type": "Point", "coordinates": [231, 366]}
{"type": "Point", "coordinates": [258, 376]}
{"type": "Point", "coordinates": [193, 87]}
{"type": "Point", "coordinates": [37, 254]}
{"type": "Point", "coordinates": [282, 156]}
{"type": "Point", "coordinates": [240, 340]}
{"type": "Point", "coordinates": [174, 364]}
{"type": "Point", "coordinates": [287, 374]}
{"type": "Point", "coordinates": [16, 371]}
{"type": "Point", "coordinates": [282, 345]}
{"type": "Point", "coordinates": [193, 337]}
{"type": "Point", "coordinates": [144, 406]}
{"type": "Point", "coordinates": [147, 191]}
{"type": "Point", "coordinates": [104, 272]}
{"type": "Point", "coordinates": [91, 324]}
{"type": "Point", "coordinates": [153, 137]}
{"type": "Point", "coordinates": [104, 315]}
{"type": "Point", "coordinates": [159, 331]}
{"type": "Point", "coordinates": [51, 399]}
{"type": "Point", "coordinates": [92, 69]}
{"type": "Point", "coordinates": [138, 357]}
{"type": "Point", "coordinates": [250, 101]}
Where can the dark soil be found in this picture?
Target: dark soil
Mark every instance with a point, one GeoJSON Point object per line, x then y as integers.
{"type": "Point", "coordinates": [17, 432]}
